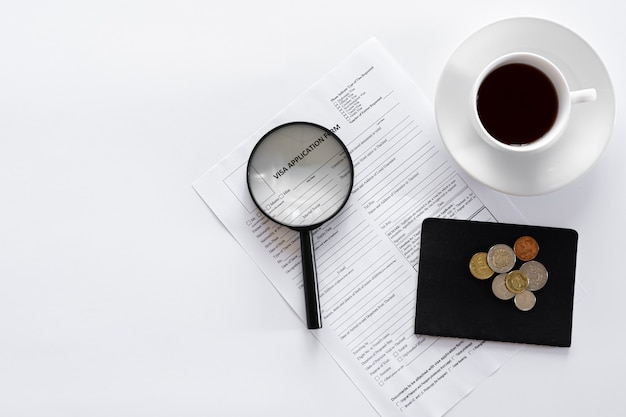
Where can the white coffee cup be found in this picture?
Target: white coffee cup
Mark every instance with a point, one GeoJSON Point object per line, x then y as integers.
{"type": "Point", "coordinates": [564, 101]}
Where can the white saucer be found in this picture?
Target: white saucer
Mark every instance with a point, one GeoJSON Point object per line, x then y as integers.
{"type": "Point", "coordinates": [582, 143]}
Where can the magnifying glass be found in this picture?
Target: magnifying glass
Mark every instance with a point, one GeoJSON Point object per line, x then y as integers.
{"type": "Point", "coordinates": [300, 175]}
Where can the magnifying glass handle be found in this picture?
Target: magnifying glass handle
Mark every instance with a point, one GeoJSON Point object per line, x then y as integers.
{"type": "Point", "coordinates": [309, 281]}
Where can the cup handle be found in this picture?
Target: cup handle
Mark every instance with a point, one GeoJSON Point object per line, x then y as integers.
{"type": "Point", "coordinates": [582, 96]}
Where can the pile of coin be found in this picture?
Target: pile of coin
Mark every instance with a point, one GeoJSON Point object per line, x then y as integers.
{"type": "Point", "coordinates": [518, 284]}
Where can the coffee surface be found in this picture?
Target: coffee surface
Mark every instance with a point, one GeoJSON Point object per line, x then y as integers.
{"type": "Point", "coordinates": [517, 104]}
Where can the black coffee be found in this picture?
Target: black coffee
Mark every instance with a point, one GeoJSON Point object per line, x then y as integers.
{"type": "Point", "coordinates": [517, 104]}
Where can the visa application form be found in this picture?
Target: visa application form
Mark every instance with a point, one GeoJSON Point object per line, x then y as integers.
{"type": "Point", "coordinates": [367, 256]}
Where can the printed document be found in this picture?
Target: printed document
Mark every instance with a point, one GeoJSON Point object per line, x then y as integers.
{"type": "Point", "coordinates": [367, 256]}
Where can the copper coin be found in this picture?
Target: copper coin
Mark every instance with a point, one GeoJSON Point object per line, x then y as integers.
{"type": "Point", "coordinates": [478, 266]}
{"type": "Point", "coordinates": [526, 248]}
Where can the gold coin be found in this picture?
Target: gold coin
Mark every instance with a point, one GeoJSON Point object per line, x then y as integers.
{"type": "Point", "coordinates": [516, 281]}
{"type": "Point", "coordinates": [526, 248]}
{"type": "Point", "coordinates": [478, 266]}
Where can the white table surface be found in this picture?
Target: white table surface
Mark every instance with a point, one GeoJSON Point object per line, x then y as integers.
{"type": "Point", "coordinates": [121, 294]}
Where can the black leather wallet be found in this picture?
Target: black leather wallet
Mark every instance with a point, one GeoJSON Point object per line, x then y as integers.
{"type": "Point", "coordinates": [452, 303]}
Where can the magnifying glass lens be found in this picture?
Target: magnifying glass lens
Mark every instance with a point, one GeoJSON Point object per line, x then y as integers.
{"type": "Point", "coordinates": [300, 175]}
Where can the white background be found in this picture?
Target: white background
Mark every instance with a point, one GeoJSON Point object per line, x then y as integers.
{"type": "Point", "coordinates": [121, 294]}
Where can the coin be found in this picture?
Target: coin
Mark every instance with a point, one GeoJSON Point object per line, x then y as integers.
{"type": "Point", "coordinates": [478, 266]}
{"type": "Point", "coordinates": [537, 274]}
{"type": "Point", "coordinates": [501, 258]}
{"type": "Point", "coordinates": [516, 281]}
{"type": "Point", "coordinates": [498, 286]}
{"type": "Point", "coordinates": [526, 248]}
{"type": "Point", "coordinates": [525, 300]}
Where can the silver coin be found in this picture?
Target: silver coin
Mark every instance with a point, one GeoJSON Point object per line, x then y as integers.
{"type": "Point", "coordinates": [498, 286]}
{"type": "Point", "coordinates": [525, 300]}
{"type": "Point", "coordinates": [501, 258]}
{"type": "Point", "coordinates": [537, 274]}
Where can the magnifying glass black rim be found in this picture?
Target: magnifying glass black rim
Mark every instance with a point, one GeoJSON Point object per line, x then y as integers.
{"type": "Point", "coordinates": [347, 153]}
